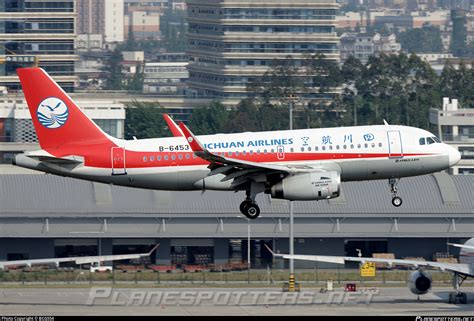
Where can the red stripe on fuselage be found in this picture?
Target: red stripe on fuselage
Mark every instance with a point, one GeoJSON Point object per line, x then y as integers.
{"type": "Point", "coordinates": [135, 159]}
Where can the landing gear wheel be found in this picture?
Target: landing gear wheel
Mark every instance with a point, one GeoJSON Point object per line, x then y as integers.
{"type": "Point", "coordinates": [251, 210]}
{"type": "Point", "coordinates": [243, 205]}
{"type": "Point", "coordinates": [397, 201]}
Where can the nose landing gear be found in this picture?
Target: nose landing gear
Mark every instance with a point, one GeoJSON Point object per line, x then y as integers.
{"type": "Point", "coordinates": [396, 200]}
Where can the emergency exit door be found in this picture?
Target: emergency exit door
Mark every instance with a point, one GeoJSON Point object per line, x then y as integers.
{"type": "Point", "coordinates": [118, 161]}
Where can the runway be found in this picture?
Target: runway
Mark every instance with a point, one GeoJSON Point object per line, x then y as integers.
{"type": "Point", "coordinates": [226, 301]}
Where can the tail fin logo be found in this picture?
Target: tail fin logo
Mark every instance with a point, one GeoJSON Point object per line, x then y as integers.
{"type": "Point", "coordinates": [52, 112]}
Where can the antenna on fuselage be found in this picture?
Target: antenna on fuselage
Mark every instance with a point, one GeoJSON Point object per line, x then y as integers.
{"type": "Point", "coordinates": [385, 122]}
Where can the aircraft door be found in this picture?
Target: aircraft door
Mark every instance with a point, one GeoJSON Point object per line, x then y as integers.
{"type": "Point", "coordinates": [281, 152]}
{"type": "Point", "coordinates": [118, 161]}
{"type": "Point", "coordinates": [395, 148]}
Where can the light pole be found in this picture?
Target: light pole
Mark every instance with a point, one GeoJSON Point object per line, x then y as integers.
{"type": "Point", "coordinates": [248, 247]}
{"type": "Point", "coordinates": [291, 281]}
{"type": "Point", "coordinates": [248, 250]}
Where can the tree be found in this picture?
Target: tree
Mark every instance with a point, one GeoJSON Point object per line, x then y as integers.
{"type": "Point", "coordinates": [210, 119]}
{"type": "Point", "coordinates": [425, 39]}
{"type": "Point", "coordinates": [113, 71]}
{"type": "Point", "coordinates": [136, 83]}
{"type": "Point", "coordinates": [145, 120]}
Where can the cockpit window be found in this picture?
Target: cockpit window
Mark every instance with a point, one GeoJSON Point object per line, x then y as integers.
{"type": "Point", "coordinates": [429, 140]}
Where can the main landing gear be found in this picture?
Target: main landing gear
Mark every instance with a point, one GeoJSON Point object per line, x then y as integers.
{"type": "Point", "coordinates": [249, 207]}
{"type": "Point", "coordinates": [396, 200]}
{"type": "Point", "coordinates": [457, 297]}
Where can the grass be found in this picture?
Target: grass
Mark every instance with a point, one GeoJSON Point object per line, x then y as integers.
{"type": "Point", "coordinates": [257, 278]}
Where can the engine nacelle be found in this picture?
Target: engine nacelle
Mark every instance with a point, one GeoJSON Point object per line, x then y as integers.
{"type": "Point", "coordinates": [419, 282]}
{"type": "Point", "coordinates": [308, 186]}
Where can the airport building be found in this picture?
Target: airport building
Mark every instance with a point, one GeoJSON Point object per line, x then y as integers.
{"type": "Point", "coordinates": [50, 216]}
{"type": "Point", "coordinates": [456, 128]}
{"type": "Point", "coordinates": [37, 33]}
{"type": "Point", "coordinates": [232, 42]}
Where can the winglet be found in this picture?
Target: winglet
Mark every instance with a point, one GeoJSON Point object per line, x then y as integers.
{"type": "Point", "coordinates": [172, 126]}
{"type": "Point", "coordinates": [270, 250]}
{"type": "Point", "coordinates": [153, 249]}
{"type": "Point", "coordinates": [192, 140]}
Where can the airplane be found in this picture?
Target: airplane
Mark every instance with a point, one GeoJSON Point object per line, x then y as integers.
{"type": "Point", "coordinates": [419, 281]}
{"type": "Point", "coordinates": [76, 259]}
{"type": "Point", "coordinates": [305, 164]}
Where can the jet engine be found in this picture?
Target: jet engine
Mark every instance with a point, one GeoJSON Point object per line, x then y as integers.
{"type": "Point", "coordinates": [419, 282]}
{"type": "Point", "coordinates": [308, 186]}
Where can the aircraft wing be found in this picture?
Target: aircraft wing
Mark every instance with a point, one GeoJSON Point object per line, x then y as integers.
{"type": "Point", "coordinates": [463, 246]}
{"type": "Point", "coordinates": [77, 259]}
{"type": "Point", "coordinates": [240, 171]}
{"type": "Point", "coordinates": [453, 267]}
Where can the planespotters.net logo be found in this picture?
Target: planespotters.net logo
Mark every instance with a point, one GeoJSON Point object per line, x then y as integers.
{"type": "Point", "coordinates": [444, 318]}
{"type": "Point", "coordinates": [52, 112]}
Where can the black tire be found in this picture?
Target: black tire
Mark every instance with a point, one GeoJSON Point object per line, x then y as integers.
{"type": "Point", "coordinates": [463, 298]}
{"type": "Point", "coordinates": [243, 205]}
{"type": "Point", "coordinates": [451, 298]}
{"type": "Point", "coordinates": [252, 211]}
{"type": "Point", "coordinates": [397, 201]}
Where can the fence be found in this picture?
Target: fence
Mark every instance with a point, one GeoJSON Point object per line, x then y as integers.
{"type": "Point", "coordinates": [267, 276]}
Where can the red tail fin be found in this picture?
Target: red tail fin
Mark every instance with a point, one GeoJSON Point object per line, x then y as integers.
{"type": "Point", "coordinates": [57, 119]}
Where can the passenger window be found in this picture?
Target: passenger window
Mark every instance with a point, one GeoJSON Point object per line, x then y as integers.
{"type": "Point", "coordinates": [302, 149]}
{"type": "Point", "coordinates": [144, 158]}
{"type": "Point", "coordinates": [194, 156]}
{"type": "Point", "coordinates": [229, 153]}
{"type": "Point", "coordinates": [337, 147]}
{"type": "Point", "coordinates": [429, 140]}
{"type": "Point", "coordinates": [251, 152]}
{"type": "Point", "coordinates": [373, 145]}
{"type": "Point", "coordinates": [422, 141]}
{"type": "Point", "coordinates": [173, 157]}
{"type": "Point", "coordinates": [152, 158]}
{"type": "Point", "coordinates": [273, 151]}
{"type": "Point", "coordinates": [344, 146]}
{"type": "Point", "coordinates": [358, 146]}
{"type": "Point", "coordinates": [180, 156]}
{"type": "Point", "coordinates": [330, 147]}
{"type": "Point", "coordinates": [187, 156]}
{"type": "Point", "coordinates": [158, 158]}
{"type": "Point", "coordinates": [380, 144]}
{"type": "Point", "coordinates": [264, 151]}
{"type": "Point", "coordinates": [166, 157]}
{"type": "Point", "coordinates": [309, 149]}
{"type": "Point", "coordinates": [352, 146]}
{"type": "Point", "coordinates": [323, 148]}
{"type": "Point", "coordinates": [292, 149]}
{"type": "Point", "coordinates": [236, 153]}
{"type": "Point", "coordinates": [244, 152]}
{"type": "Point", "coordinates": [366, 145]}
{"type": "Point", "coordinates": [258, 151]}
{"type": "Point", "coordinates": [316, 148]}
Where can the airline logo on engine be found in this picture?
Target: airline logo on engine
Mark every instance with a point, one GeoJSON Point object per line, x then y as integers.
{"type": "Point", "coordinates": [52, 112]}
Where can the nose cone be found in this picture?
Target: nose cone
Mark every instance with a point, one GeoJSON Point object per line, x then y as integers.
{"type": "Point", "coordinates": [454, 156]}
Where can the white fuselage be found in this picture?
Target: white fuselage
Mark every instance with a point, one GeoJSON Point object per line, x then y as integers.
{"type": "Point", "coordinates": [357, 153]}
